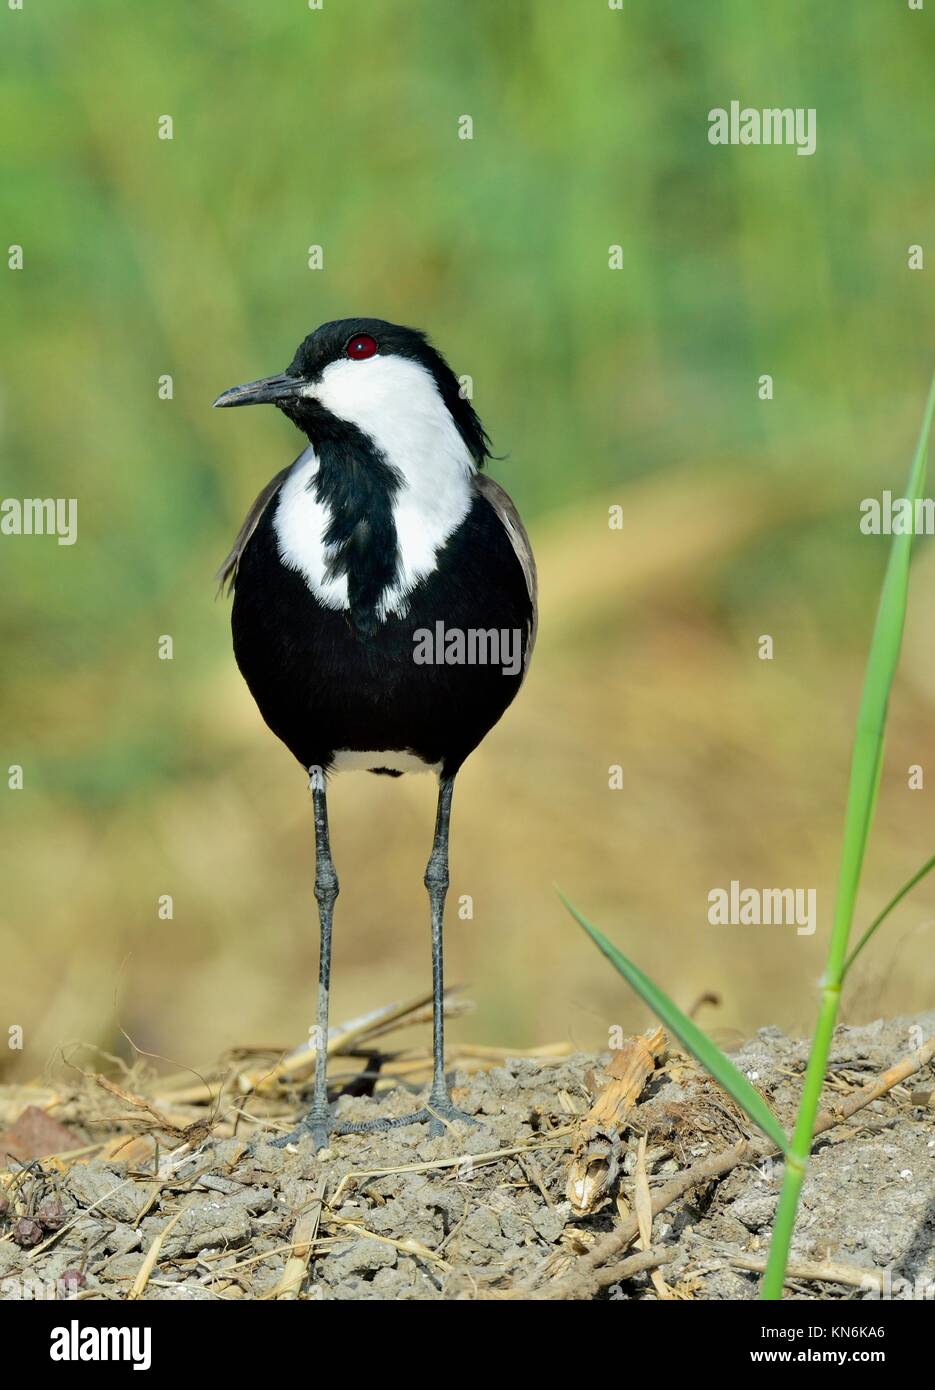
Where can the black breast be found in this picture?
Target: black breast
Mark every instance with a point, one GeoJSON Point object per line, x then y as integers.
{"type": "Point", "coordinates": [322, 684]}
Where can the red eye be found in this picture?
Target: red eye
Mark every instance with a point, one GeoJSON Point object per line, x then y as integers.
{"type": "Point", "coordinates": [360, 347]}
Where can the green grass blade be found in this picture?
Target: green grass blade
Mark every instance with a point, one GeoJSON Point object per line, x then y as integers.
{"type": "Point", "coordinates": [878, 921]}
{"type": "Point", "coordinates": [866, 765]}
{"type": "Point", "coordinates": [698, 1043]}
{"type": "Point", "coordinates": [867, 755]}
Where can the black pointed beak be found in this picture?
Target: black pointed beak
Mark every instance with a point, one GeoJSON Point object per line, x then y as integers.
{"type": "Point", "coordinates": [269, 390]}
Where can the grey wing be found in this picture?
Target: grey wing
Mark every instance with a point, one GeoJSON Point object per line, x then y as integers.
{"type": "Point", "coordinates": [227, 574]}
{"type": "Point", "coordinates": [502, 503]}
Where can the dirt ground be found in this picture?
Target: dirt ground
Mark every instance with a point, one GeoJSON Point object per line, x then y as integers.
{"type": "Point", "coordinates": [516, 1207]}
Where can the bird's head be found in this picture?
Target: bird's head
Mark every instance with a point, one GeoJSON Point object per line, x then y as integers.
{"type": "Point", "coordinates": [382, 378]}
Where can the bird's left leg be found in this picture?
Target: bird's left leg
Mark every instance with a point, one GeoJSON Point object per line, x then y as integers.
{"type": "Point", "coordinates": [440, 1105]}
{"type": "Point", "coordinates": [439, 1109]}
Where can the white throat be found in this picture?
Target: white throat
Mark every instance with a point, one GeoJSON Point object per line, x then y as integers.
{"type": "Point", "coordinates": [396, 402]}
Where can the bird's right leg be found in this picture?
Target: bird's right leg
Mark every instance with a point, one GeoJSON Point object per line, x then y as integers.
{"type": "Point", "coordinates": [318, 1121]}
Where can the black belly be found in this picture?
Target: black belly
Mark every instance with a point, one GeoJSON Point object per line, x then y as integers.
{"type": "Point", "coordinates": [322, 686]}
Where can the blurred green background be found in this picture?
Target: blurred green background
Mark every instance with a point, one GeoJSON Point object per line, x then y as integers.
{"type": "Point", "coordinates": [638, 387]}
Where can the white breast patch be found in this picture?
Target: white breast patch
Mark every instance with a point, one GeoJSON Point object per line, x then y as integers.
{"type": "Point", "coordinates": [300, 523]}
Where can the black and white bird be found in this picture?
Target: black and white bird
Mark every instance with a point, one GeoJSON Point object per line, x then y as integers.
{"type": "Point", "coordinates": [383, 538]}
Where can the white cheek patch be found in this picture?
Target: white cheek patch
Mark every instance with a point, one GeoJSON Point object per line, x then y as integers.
{"type": "Point", "coordinates": [396, 402]}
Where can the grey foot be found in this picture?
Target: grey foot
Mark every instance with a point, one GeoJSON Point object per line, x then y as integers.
{"type": "Point", "coordinates": [438, 1113]}
{"type": "Point", "coordinates": [317, 1124]}
{"type": "Point", "coordinates": [443, 1112]}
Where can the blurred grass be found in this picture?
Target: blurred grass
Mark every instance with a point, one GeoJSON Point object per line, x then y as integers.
{"type": "Point", "coordinates": [188, 257]}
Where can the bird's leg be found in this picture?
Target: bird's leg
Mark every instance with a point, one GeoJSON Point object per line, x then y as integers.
{"type": "Point", "coordinates": [440, 1109]}
{"type": "Point", "coordinates": [440, 1105]}
{"type": "Point", "coordinates": [318, 1120]}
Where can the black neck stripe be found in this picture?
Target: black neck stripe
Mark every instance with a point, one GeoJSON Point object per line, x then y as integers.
{"type": "Point", "coordinates": [357, 486]}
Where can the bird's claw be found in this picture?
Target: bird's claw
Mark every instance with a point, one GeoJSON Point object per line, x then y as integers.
{"type": "Point", "coordinates": [316, 1125]}
{"type": "Point", "coordinates": [443, 1112]}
